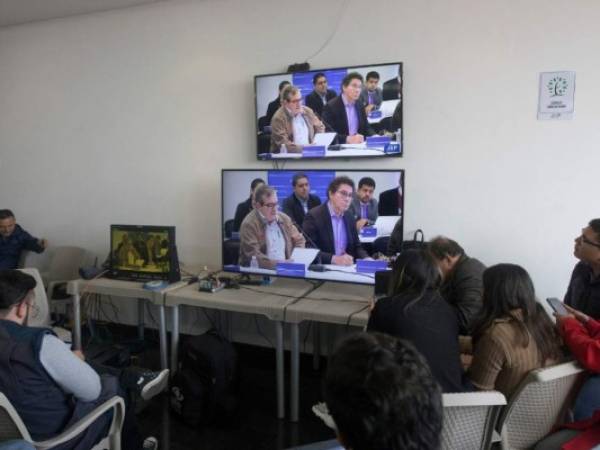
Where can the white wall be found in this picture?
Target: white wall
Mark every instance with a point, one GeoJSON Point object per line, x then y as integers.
{"type": "Point", "coordinates": [129, 116]}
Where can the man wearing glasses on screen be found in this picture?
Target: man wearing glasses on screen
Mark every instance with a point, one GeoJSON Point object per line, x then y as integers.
{"type": "Point", "coordinates": [266, 233]}
{"type": "Point", "coordinates": [331, 227]}
{"type": "Point", "coordinates": [583, 293]}
{"type": "Point", "coordinates": [293, 125]}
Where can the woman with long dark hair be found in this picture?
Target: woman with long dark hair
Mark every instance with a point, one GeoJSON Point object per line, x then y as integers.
{"type": "Point", "coordinates": [414, 310]}
{"type": "Point", "coordinates": [514, 335]}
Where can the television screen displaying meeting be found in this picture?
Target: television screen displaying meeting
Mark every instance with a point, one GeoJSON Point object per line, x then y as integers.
{"type": "Point", "coordinates": [340, 225]}
{"type": "Point", "coordinates": [342, 112]}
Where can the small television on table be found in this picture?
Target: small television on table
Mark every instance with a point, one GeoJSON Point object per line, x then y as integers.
{"type": "Point", "coordinates": [143, 253]}
{"type": "Point", "coordinates": [321, 97]}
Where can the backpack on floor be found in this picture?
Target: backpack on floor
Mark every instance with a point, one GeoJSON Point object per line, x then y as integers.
{"type": "Point", "coordinates": [204, 390]}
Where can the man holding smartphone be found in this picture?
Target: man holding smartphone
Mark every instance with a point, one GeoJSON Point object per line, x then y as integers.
{"type": "Point", "coordinates": [583, 293]}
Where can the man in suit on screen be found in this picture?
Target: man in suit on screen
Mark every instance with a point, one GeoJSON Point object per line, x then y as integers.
{"type": "Point", "coordinates": [331, 227]}
{"type": "Point", "coordinates": [364, 206]}
{"type": "Point", "coordinates": [391, 202]}
{"type": "Point", "coordinates": [320, 95]}
{"type": "Point", "coordinates": [345, 114]}
{"type": "Point", "coordinates": [301, 201]}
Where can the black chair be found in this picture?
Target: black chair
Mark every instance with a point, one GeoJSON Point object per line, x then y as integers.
{"type": "Point", "coordinates": [228, 228]}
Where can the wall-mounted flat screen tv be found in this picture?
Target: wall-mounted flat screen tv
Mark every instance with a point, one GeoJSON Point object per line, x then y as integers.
{"type": "Point", "coordinates": [319, 224]}
{"type": "Point", "coordinates": [343, 112]}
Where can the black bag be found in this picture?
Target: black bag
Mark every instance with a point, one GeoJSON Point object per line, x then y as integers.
{"type": "Point", "coordinates": [205, 388]}
{"type": "Point", "coordinates": [417, 242]}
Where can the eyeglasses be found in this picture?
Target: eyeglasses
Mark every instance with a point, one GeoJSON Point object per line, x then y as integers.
{"type": "Point", "coordinates": [297, 101]}
{"type": "Point", "coordinates": [345, 194]}
{"type": "Point", "coordinates": [270, 205]}
{"type": "Point", "coordinates": [587, 241]}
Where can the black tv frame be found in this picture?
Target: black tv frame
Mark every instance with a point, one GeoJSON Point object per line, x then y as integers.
{"type": "Point", "coordinates": [302, 170]}
{"type": "Point", "coordinates": [172, 276]}
{"type": "Point", "coordinates": [322, 69]}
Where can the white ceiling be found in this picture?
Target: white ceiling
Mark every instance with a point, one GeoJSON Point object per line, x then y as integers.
{"type": "Point", "coordinates": [17, 12]}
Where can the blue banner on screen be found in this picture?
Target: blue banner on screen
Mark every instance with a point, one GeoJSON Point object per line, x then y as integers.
{"type": "Point", "coordinates": [281, 180]}
{"type": "Point", "coordinates": [370, 266]}
{"type": "Point", "coordinates": [291, 270]}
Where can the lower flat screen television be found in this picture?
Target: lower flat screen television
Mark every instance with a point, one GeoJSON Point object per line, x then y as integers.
{"type": "Point", "coordinates": [319, 224]}
{"type": "Point", "coordinates": [143, 252]}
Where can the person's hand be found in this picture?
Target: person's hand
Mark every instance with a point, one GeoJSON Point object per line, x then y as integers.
{"type": "Point", "coordinates": [360, 223]}
{"type": "Point", "coordinates": [355, 139]}
{"type": "Point", "coordinates": [583, 318]}
{"type": "Point", "coordinates": [79, 354]}
{"type": "Point", "coordinates": [342, 260]}
{"type": "Point", "coordinates": [43, 243]}
{"type": "Point", "coordinates": [369, 108]}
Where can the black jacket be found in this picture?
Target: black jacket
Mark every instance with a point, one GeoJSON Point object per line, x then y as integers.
{"type": "Point", "coordinates": [293, 208]}
{"type": "Point", "coordinates": [334, 117]}
{"type": "Point", "coordinates": [314, 102]}
{"type": "Point", "coordinates": [389, 202]}
{"type": "Point", "coordinates": [584, 291]}
{"type": "Point", "coordinates": [272, 109]}
{"type": "Point", "coordinates": [431, 326]}
{"type": "Point", "coordinates": [463, 290]}
{"type": "Point", "coordinates": [241, 212]}
{"type": "Point", "coordinates": [317, 225]}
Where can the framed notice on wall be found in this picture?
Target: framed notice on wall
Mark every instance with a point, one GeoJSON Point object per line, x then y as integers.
{"type": "Point", "coordinates": [557, 95]}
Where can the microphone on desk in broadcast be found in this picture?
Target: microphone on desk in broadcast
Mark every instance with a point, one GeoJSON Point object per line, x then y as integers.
{"type": "Point", "coordinates": [314, 267]}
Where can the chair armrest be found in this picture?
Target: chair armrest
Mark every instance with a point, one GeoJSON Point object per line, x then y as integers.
{"type": "Point", "coordinates": [81, 425]}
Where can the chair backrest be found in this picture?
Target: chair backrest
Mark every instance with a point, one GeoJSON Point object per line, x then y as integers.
{"type": "Point", "coordinates": [470, 419]}
{"type": "Point", "coordinates": [539, 402]}
{"type": "Point", "coordinates": [11, 425]}
{"type": "Point", "coordinates": [65, 262]}
{"type": "Point", "coordinates": [42, 316]}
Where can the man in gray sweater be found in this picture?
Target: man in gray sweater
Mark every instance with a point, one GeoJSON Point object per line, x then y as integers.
{"type": "Point", "coordinates": [51, 386]}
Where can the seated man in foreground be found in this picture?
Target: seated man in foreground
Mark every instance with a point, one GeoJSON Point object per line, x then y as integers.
{"type": "Point", "coordinates": [583, 293]}
{"type": "Point", "coordinates": [381, 395]}
{"type": "Point", "coordinates": [331, 227]}
{"type": "Point", "coordinates": [462, 280]}
{"type": "Point", "coordinates": [52, 387]}
{"type": "Point", "coordinates": [267, 234]}
{"type": "Point", "coordinates": [14, 239]}
{"type": "Point", "coordinates": [293, 125]}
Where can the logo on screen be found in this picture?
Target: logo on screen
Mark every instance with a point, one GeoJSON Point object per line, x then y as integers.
{"type": "Point", "coordinates": [557, 86]}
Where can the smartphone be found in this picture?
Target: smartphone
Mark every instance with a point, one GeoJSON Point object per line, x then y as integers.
{"type": "Point", "coordinates": [557, 306]}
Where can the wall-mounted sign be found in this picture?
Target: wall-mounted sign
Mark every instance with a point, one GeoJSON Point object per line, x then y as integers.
{"type": "Point", "coordinates": [557, 95]}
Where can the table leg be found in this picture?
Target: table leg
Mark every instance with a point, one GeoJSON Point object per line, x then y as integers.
{"type": "Point", "coordinates": [77, 321]}
{"type": "Point", "coordinates": [280, 369]}
{"type": "Point", "coordinates": [162, 332]}
{"type": "Point", "coordinates": [174, 339]}
{"type": "Point", "coordinates": [295, 371]}
{"type": "Point", "coordinates": [316, 345]}
{"type": "Point", "coordinates": [141, 319]}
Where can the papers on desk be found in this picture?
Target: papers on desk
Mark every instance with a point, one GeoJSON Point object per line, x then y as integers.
{"type": "Point", "coordinates": [304, 256]}
{"type": "Point", "coordinates": [385, 225]}
{"type": "Point", "coordinates": [333, 267]}
{"type": "Point", "coordinates": [388, 107]}
{"type": "Point", "coordinates": [324, 139]}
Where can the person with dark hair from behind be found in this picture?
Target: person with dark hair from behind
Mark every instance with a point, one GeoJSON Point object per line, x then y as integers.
{"type": "Point", "coordinates": [14, 239]}
{"type": "Point", "coordinates": [391, 202]}
{"type": "Point", "coordinates": [52, 387]}
{"type": "Point", "coordinates": [320, 95]}
{"type": "Point", "coordinates": [293, 126]}
{"type": "Point", "coordinates": [331, 227]}
{"type": "Point", "coordinates": [301, 201]}
{"type": "Point", "coordinates": [345, 114]}
{"type": "Point", "coordinates": [364, 206]}
{"type": "Point", "coordinates": [414, 310]}
{"type": "Point", "coordinates": [381, 395]}
{"type": "Point", "coordinates": [392, 88]}
{"type": "Point", "coordinates": [583, 293]}
{"type": "Point", "coordinates": [275, 104]}
{"type": "Point", "coordinates": [462, 284]}
{"type": "Point", "coordinates": [370, 96]}
{"type": "Point", "coordinates": [514, 335]}
{"type": "Point", "coordinates": [246, 206]}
